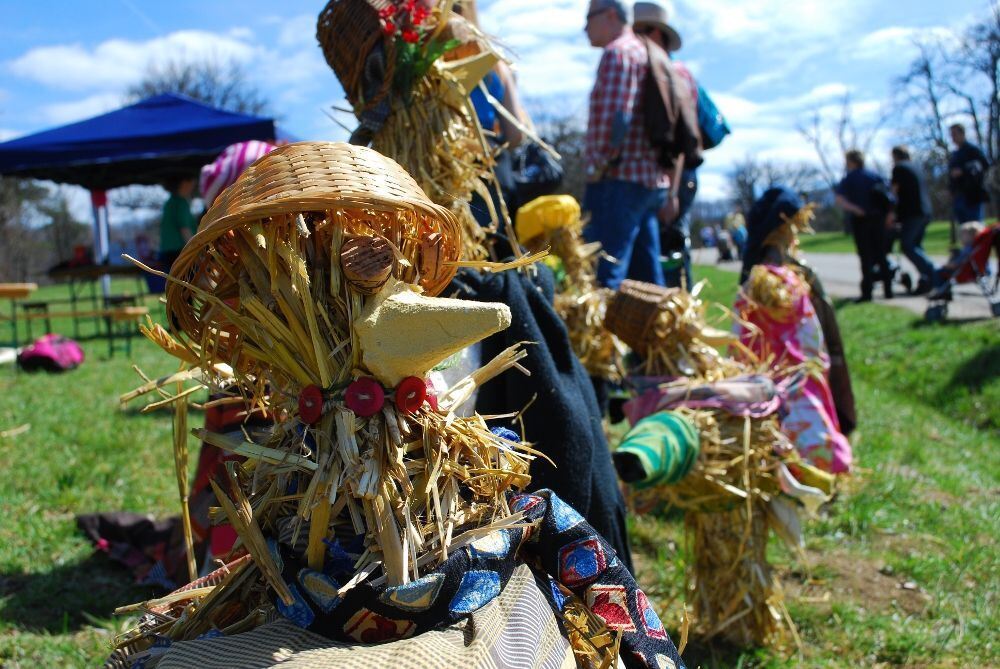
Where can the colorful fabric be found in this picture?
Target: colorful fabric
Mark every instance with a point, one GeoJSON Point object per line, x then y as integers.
{"type": "Point", "coordinates": [790, 332]}
{"type": "Point", "coordinates": [553, 539]}
{"type": "Point", "coordinates": [154, 550]}
{"type": "Point", "coordinates": [231, 163]}
{"type": "Point", "coordinates": [755, 396]}
{"type": "Point", "coordinates": [665, 444]}
{"type": "Point", "coordinates": [617, 94]}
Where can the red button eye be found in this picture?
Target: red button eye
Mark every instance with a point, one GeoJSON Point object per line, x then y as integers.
{"type": "Point", "coordinates": [411, 394]}
{"type": "Point", "coordinates": [311, 405]}
{"type": "Point", "coordinates": [364, 397]}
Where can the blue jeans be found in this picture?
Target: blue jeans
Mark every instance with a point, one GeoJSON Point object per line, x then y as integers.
{"type": "Point", "coordinates": [623, 219]}
{"type": "Point", "coordinates": [682, 227]}
{"type": "Point", "coordinates": [911, 238]}
{"type": "Point", "coordinates": [966, 211]}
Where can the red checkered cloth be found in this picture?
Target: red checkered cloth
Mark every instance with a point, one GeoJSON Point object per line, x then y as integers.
{"type": "Point", "coordinates": [619, 89]}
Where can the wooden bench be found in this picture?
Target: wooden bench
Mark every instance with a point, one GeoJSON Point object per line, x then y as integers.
{"type": "Point", "coordinates": [112, 316]}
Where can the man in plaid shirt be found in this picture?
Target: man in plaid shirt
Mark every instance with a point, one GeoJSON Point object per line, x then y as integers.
{"type": "Point", "coordinates": [626, 186]}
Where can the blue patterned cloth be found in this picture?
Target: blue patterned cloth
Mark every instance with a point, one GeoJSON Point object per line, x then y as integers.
{"type": "Point", "coordinates": [560, 547]}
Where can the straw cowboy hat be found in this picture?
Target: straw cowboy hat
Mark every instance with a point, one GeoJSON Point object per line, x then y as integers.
{"type": "Point", "coordinates": [657, 14]}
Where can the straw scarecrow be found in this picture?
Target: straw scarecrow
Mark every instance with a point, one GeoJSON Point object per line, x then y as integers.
{"type": "Point", "coordinates": [407, 69]}
{"type": "Point", "coordinates": [706, 438]}
{"type": "Point", "coordinates": [554, 222]}
{"type": "Point", "coordinates": [786, 318]}
{"type": "Point", "coordinates": [370, 513]}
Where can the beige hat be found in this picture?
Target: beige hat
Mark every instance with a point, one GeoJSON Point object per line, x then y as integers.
{"type": "Point", "coordinates": [657, 14]}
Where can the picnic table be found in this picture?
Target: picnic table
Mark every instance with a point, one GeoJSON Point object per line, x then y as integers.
{"type": "Point", "coordinates": [118, 312]}
{"type": "Point", "coordinates": [15, 292]}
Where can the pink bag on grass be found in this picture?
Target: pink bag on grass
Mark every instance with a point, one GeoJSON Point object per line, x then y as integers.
{"type": "Point", "coordinates": [51, 353]}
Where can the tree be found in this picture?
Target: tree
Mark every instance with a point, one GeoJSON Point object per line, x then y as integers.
{"type": "Point", "coordinates": [221, 84]}
{"type": "Point", "coordinates": [567, 135]}
{"type": "Point", "coordinates": [832, 138]}
{"type": "Point", "coordinates": [63, 231]}
{"type": "Point", "coordinates": [20, 247]}
{"type": "Point", "coordinates": [955, 79]}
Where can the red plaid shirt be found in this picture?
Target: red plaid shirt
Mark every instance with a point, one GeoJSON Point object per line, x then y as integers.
{"type": "Point", "coordinates": [619, 89]}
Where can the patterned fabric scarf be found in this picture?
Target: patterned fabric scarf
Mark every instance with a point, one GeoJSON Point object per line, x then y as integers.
{"type": "Point", "coordinates": [557, 543]}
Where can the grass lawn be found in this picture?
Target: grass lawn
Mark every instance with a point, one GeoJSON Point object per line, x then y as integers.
{"type": "Point", "coordinates": [921, 512]}
{"type": "Point", "coordinates": [935, 241]}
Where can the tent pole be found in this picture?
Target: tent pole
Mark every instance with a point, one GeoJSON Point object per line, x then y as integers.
{"type": "Point", "coordinates": [102, 242]}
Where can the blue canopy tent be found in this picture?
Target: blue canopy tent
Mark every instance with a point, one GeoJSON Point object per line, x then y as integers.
{"type": "Point", "coordinates": [144, 143]}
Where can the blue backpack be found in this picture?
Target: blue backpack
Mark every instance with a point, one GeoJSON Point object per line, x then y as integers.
{"type": "Point", "coordinates": [711, 121]}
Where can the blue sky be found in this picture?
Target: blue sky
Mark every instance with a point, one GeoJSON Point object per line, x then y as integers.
{"type": "Point", "coordinates": [767, 63]}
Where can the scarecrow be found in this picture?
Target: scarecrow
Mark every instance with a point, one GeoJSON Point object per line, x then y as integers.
{"type": "Point", "coordinates": [370, 513]}
{"type": "Point", "coordinates": [785, 317]}
{"type": "Point", "coordinates": [407, 69]}
{"type": "Point", "coordinates": [706, 438]}
{"type": "Point", "coordinates": [553, 222]}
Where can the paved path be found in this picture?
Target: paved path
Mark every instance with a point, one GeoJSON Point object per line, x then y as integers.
{"type": "Point", "coordinates": [841, 276]}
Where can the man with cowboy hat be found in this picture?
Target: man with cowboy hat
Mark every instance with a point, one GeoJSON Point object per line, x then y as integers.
{"type": "Point", "coordinates": [652, 19]}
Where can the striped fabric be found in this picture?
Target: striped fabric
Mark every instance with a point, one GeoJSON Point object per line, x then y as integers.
{"type": "Point", "coordinates": [667, 446]}
{"type": "Point", "coordinates": [516, 631]}
{"type": "Point", "coordinates": [220, 174]}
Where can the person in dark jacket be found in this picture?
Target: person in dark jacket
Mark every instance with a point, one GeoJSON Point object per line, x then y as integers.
{"type": "Point", "coordinates": [865, 197]}
{"type": "Point", "coordinates": [913, 212]}
{"type": "Point", "coordinates": [967, 167]}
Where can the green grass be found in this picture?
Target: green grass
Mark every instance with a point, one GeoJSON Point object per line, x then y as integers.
{"type": "Point", "coordinates": [936, 241]}
{"type": "Point", "coordinates": [82, 454]}
{"type": "Point", "coordinates": [921, 510]}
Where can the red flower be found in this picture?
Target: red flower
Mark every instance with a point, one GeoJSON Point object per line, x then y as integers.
{"type": "Point", "coordinates": [386, 13]}
{"type": "Point", "coordinates": [389, 28]}
{"type": "Point", "coordinates": [411, 36]}
{"type": "Point", "coordinates": [420, 15]}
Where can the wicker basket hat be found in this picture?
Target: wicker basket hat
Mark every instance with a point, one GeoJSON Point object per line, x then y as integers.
{"type": "Point", "coordinates": [317, 187]}
{"type": "Point", "coordinates": [634, 310]}
{"type": "Point", "coordinates": [347, 31]}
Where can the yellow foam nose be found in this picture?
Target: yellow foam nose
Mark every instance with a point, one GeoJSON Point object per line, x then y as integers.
{"type": "Point", "coordinates": [403, 333]}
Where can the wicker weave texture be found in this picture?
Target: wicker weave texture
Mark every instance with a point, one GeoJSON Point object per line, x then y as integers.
{"type": "Point", "coordinates": [353, 183]}
{"type": "Point", "coordinates": [633, 311]}
{"type": "Point", "coordinates": [347, 31]}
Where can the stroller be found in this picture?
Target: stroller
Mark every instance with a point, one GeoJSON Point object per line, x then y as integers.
{"type": "Point", "coordinates": [970, 266]}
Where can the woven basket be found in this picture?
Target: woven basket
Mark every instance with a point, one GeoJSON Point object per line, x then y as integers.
{"type": "Point", "coordinates": [633, 311]}
{"type": "Point", "coordinates": [340, 183]}
{"type": "Point", "coordinates": [347, 31]}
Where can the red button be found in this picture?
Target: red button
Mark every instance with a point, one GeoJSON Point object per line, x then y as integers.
{"type": "Point", "coordinates": [311, 405]}
{"type": "Point", "coordinates": [410, 394]}
{"type": "Point", "coordinates": [364, 397]}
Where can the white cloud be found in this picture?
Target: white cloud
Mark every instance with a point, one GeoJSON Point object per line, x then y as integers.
{"type": "Point", "coordinates": [78, 110]}
{"type": "Point", "coordinates": [770, 21]}
{"type": "Point", "coordinates": [116, 63]}
{"type": "Point", "coordinates": [7, 133]}
{"type": "Point", "coordinates": [896, 42]}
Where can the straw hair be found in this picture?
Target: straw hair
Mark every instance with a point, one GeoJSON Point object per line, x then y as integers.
{"type": "Point", "coordinates": [342, 190]}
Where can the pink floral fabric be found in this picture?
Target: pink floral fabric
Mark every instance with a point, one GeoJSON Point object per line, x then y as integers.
{"type": "Point", "coordinates": [791, 335]}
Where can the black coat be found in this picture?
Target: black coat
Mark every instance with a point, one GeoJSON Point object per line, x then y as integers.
{"type": "Point", "coordinates": [564, 421]}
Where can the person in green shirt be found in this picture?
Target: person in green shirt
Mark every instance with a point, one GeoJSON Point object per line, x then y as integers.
{"type": "Point", "coordinates": [177, 224]}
